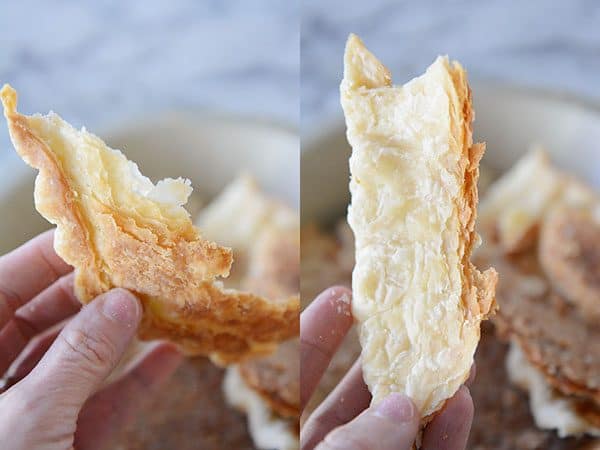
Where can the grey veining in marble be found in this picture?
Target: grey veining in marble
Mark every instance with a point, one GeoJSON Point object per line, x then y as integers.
{"type": "Point", "coordinates": [97, 62]}
{"type": "Point", "coordinates": [544, 43]}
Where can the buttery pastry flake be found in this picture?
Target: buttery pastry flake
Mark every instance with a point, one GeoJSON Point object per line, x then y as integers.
{"type": "Point", "coordinates": [417, 297]}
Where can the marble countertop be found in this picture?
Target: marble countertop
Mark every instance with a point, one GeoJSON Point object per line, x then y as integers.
{"type": "Point", "coordinates": [553, 45]}
{"type": "Point", "coordinates": [96, 63]}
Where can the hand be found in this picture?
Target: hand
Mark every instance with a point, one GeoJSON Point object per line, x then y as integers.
{"type": "Point", "coordinates": [57, 400]}
{"type": "Point", "coordinates": [345, 420]}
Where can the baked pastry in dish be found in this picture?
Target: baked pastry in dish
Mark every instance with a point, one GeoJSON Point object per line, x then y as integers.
{"type": "Point", "coordinates": [541, 229]}
{"type": "Point", "coordinates": [266, 389]}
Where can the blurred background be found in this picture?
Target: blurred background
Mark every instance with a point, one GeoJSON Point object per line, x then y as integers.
{"type": "Point", "coordinates": [548, 44]}
{"type": "Point", "coordinates": [97, 63]}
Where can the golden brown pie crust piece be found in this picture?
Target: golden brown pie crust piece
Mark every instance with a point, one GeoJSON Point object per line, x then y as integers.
{"type": "Point", "coordinates": [157, 254]}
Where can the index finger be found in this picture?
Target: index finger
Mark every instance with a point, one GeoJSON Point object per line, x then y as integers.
{"type": "Point", "coordinates": [27, 271]}
{"type": "Point", "coordinates": [449, 430]}
{"type": "Point", "coordinates": [323, 326]}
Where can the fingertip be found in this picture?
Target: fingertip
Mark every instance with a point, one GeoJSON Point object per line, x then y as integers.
{"type": "Point", "coordinates": [460, 407]}
{"type": "Point", "coordinates": [464, 402]}
{"type": "Point", "coordinates": [463, 396]}
{"type": "Point", "coordinates": [449, 430]}
{"type": "Point", "coordinates": [336, 294]}
{"type": "Point", "coordinates": [398, 408]}
{"type": "Point", "coordinates": [336, 291]}
{"type": "Point", "coordinates": [391, 424]}
{"type": "Point", "coordinates": [338, 300]}
{"type": "Point", "coordinates": [121, 306]}
{"type": "Point", "coordinates": [472, 375]}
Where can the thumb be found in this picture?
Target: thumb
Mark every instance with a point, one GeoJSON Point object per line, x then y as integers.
{"type": "Point", "coordinates": [86, 350]}
{"type": "Point", "coordinates": [391, 425]}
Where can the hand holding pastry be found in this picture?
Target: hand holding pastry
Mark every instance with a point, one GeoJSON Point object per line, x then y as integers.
{"type": "Point", "coordinates": [55, 374]}
{"type": "Point", "coordinates": [344, 419]}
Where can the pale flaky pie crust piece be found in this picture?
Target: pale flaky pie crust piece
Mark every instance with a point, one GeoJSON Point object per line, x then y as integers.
{"type": "Point", "coordinates": [118, 229]}
{"type": "Point", "coordinates": [416, 295]}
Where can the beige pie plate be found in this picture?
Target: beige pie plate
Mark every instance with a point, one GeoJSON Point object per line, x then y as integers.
{"type": "Point", "coordinates": [211, 151]}
{"type": "Point", "coordinates": [510, 120]}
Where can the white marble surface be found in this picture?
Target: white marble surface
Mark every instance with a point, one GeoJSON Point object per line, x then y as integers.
{"type": "Point", "coordinates": [98, 62]}
{"type": "Point", "coordinates": [543, 43]}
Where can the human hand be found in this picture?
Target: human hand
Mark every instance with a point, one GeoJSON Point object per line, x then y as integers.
{"type": "Point", "coordinates": [345, 420]}
{"type": "Point", "coordinates": [56, 399]}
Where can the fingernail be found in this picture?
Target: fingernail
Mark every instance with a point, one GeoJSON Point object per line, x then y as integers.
{"type": "Point", "coordinates": [396, 407]}
{"type": "Point", "coordinates": [121, 306]}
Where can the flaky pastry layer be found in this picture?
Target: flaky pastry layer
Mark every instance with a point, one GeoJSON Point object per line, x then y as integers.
{"type": "Point", "coordinates": [118, 229]}
{"type": "Point", "coordinates": [418, 298]}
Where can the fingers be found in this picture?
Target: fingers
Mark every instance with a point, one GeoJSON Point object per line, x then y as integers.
{"type": "Point", "coordinates": [323, 326]}
{"type": "Point", "coordinates": [348, 400]}
{"type": "Point", "coordinates": [31, 355]}
{"type": "Point", "coordinates": [450, 429]}
{"type": "Point", "coordinates": [472, 375]}
{"type": "Point", "coordinates": [111, 408]}
{"type": "Point", "coordinates": [391, 425]}
{"type": "Point", "coordinates": [51, 306]}
{"type": "Point", "coordinates": [86, 350]}
{"type": "Point", "coordinates": [26, 271]}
